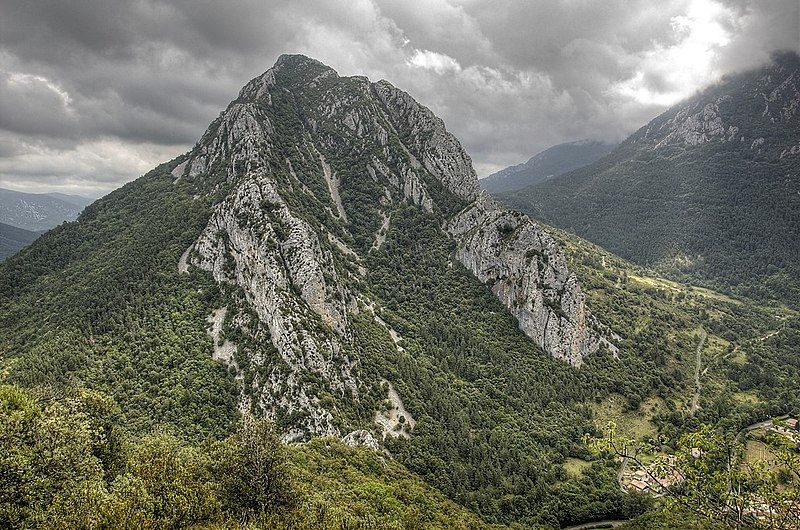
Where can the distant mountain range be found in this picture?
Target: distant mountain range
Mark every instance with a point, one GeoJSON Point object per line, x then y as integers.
{"type": "Point", "coordinates": [550, 163]}
{"type": "Point", "coordinates": [708, 192]}
{"type": "Point", "coordinates": [39, 211]}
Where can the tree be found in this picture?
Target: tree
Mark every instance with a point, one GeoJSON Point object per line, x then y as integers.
{"type": "Point", "coordinates": [250, 469]}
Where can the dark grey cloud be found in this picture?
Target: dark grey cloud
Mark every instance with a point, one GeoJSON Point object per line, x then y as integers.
{"type": "Point", "coordinates": [95, 92]}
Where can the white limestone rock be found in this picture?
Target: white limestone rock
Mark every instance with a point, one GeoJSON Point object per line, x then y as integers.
{"type": "Point", "coordinates": [526, 270]}
{"type": "Point", "coordinates": [361, 438]}
{"type": "Point", "coordinates": [254, 241]}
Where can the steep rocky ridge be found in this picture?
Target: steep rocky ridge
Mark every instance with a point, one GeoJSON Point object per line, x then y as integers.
{"type": "Point", "coordinates": [300, 254]}
{"type": "Point", "coordinates": [757, 110]}
{"type": "Point", "coordinates": [316, 164]}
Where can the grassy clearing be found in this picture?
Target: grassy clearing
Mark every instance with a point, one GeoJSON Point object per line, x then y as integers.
{"type": "Point", "coordinates": [655, 283]}
{"type": "Point", "coordinates": [757, 450]}
{"type": "Point", "coordinates": [635, 424]}
{"type": "Point", "coordinates": [662, 283]}
{"type": "Point", "coordinates": [576, 466]}
{"type": "Point", "coordinates": [749, 397]}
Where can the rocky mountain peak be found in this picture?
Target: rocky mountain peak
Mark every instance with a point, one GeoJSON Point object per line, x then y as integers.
{"type": "Point", "coordinates": [291, 72]}
{"type": "Point", "coordinates": [755, 110]}
{"type": "Point", "coordinates": [313, 168]}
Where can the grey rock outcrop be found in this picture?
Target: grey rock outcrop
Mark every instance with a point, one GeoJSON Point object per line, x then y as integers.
{"type": "Point", "coordinates": [755, 117]}
{"type": "Point", "coordinates": [282, 275]}
{"type": "Point", "coordinates": [361, 438]}
{"type": "Point", "coordinates": [526, 270]}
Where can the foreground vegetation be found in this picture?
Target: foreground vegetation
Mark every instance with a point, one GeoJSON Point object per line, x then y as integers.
{"type": "Point", "coordinates": [66, 463]}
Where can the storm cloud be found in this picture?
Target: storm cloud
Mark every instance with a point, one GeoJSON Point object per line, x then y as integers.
{"type": "Point", "coordinates": [93, 93]}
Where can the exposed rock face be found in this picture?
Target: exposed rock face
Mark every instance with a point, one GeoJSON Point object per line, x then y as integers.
{"type": "Point", "coordinates": [291, 239]}
{"type": "Point", "coordinates": [694, 128]}
{"type": "Point", "coordinates": [283, 282]}
{"type": "Point", "coordinates": [361, 438]}
{"type": "Point", "coordinates": [526, 270]}
{"type": "Point", "coordinates": [441, 154]}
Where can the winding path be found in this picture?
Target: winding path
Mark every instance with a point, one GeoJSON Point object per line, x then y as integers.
{"type": "Point", "coordinates": [760, 425]}
{"type": "Point", "coordinates": [696, 398]}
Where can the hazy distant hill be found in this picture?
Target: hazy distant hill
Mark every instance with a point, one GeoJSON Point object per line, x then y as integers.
{"type": "Point", "coordinates": [77, 200]}
{"type": "Point", "coordinates": [551, 162]}
{"type": "Point", "coordinates": [13, 239]}
{"type": "Point", "coordinates": [39, 211]}
{"type": "Point", "coordinates": [708, 191]}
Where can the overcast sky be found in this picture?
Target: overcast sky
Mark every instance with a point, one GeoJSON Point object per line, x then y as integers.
{"type": "Point", "coordinates": [93, 93]}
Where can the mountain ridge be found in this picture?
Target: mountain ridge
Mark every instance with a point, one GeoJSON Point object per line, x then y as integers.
{"type": "Point", "coordinates": [305, 170]}
{"type": "Point", "coordinates": [38, 211]}
{"type": "Point", "coordinates": [694, 192]}
{"type": "Point", "coordinates": [550, 163]}
{"type": "Point", "coordinates": [231, 280]}
{"type": "Point", "coordinates": [421, 161]}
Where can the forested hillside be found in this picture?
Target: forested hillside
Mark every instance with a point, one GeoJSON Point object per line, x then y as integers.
{"type": "Point", "coordinates": [708, 192]}
{"type": "Point", "coordinates": [12, 239]}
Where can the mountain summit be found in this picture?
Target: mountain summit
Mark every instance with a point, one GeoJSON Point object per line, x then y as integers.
{"type": "Point", "coordinates": [316, 166]}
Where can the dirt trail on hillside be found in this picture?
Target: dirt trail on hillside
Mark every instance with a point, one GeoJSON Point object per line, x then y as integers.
{"type": "Point", "coordinates": [696, 398]}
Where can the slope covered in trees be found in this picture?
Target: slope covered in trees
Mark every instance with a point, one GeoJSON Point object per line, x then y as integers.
{"type": "Point", "coordinates": [708, 192]}
{"type": "Point", "coordinates": [13, 239]}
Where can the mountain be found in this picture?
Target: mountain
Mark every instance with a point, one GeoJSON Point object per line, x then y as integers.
{"type": "Point", "coordinates": [38, 211]}
{"type": "Point", "coordinates": [13, 239]}
{"type": "Point", "coordinates": [550, 163]}
{"type": "Point", "coordinates": [77, 200]}
{"type": "Point", "coordinates": [324, 257]}
{"type": "Point", "coordinates": [708, 192]}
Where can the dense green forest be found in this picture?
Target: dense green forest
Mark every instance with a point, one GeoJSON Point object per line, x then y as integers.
{"type": "Point", "coordinates": [66, 463]}
{"type": "Point", "coordinates": [98, 302]}
{"type": "Point", "coordinates": [12, 239]}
